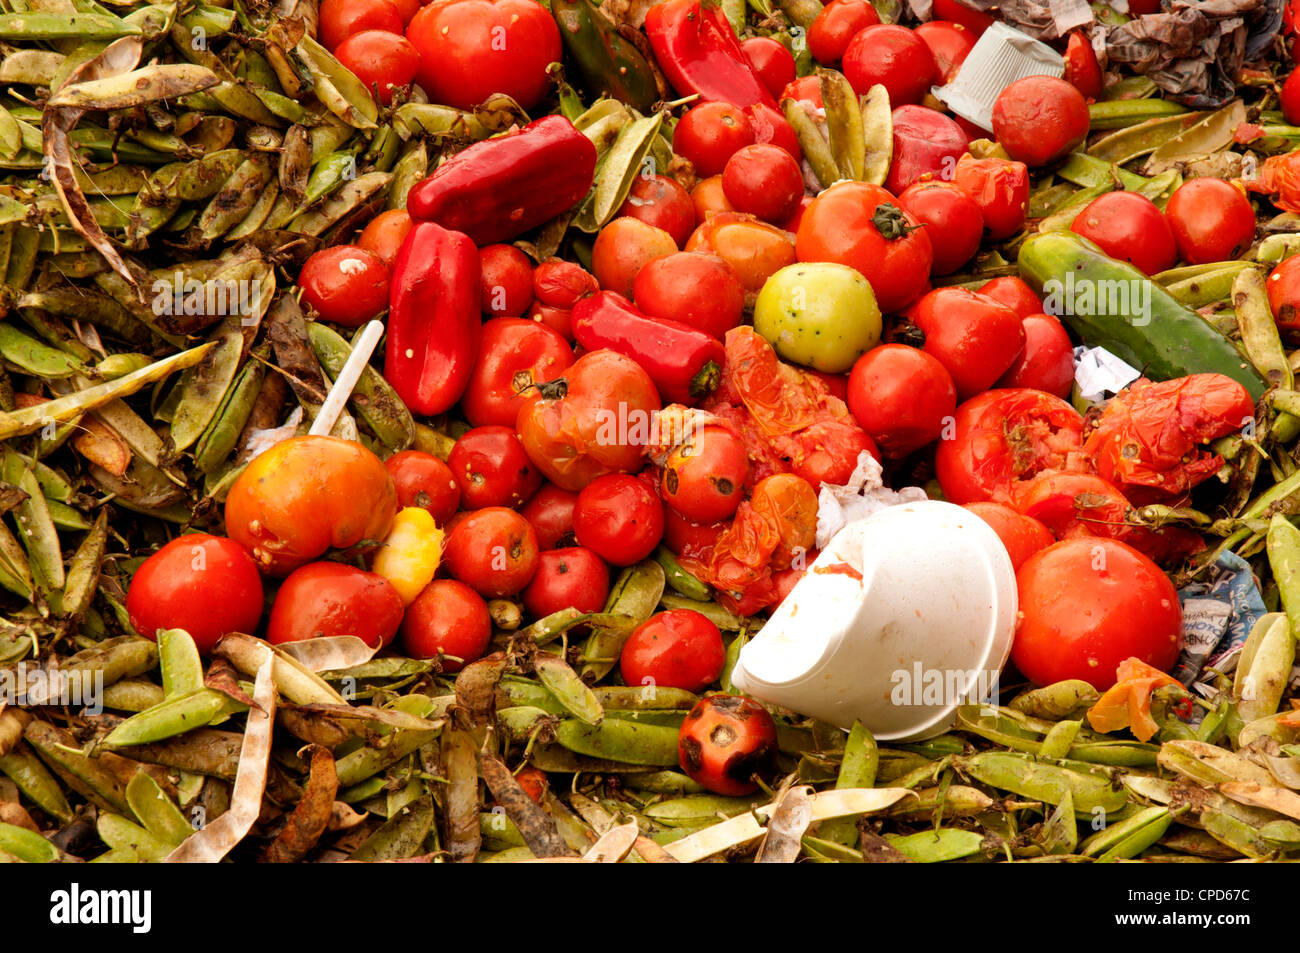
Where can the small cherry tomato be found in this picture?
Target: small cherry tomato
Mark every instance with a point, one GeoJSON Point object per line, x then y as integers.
{"type": "Point", "coordinates": [550, 512]}
{"type": "Point", "coordinates": [492, 469]}
{"type": "Point", "coordinates": [704, 478]}
{"type": "Point", "coordinates": [1021, 535]}
{"type": "Point", "coordinates": [1073, 504]}
{"type": "Point", "coordinates": [1129, 227]}
{"type": "Point", "coordinates": [700, 290]}
{"type": "Point", "coordinates": [709, 134]}
{"type": "Point", "coordinates": [306, 495]}
{"type": "Point", "coordinates": [345, 285]}
{"type": "Point", "coordinates": [1013, 292]}
{"type": "Point", "coordinates": [383, 61]}
{"type": "Point", "coordinates": [385, 234]}
{"type": "Point", "coordinates": [1088, 604]}
{"type": "Point", "coordinates": [622, 248]}
{"type": "Point", "coordinates": [902, 397]}
{"type": "Point", "coordinates": [975, 338]}
{"type": "Point", "coordinates": [493, 551]}
{"type": "Point", "coordinates": [1040, 119]}
{"type": "Point", "coordinates": [1047, 362]}
{"type": "Point", "coordinates": [1000, 188]}
{"type": "Point", "coordinates": [675, 649]}
{"type": "Point", "coordinates": [951, 217]}
{"type": "Point", "coordinates": [340, 19]}
{"type": "Point", "coordinates": [893, 56]}
{"type": "Point", "coordinates": [950, 44]}
{"type": "Point", "coordinates": [708, 198]}
{"type": "Point", "coordinates": [807, 88]}
{"type": "Point", "coordinates": [561, 283]}
{"type": "Point", "coordinates": [926, 143]}
{"type": "Point", "coordinates": [619, 518]}
{"type": "Point", "coordinates": [725, 741]}
{"type": "Point", "coordinates": [407, 9]}
{"type": "Point", "coordinates": [835, 25]}
{"type": "Point", "coordinates": [771, 127]}
{"type": "Point", "coordinates": [1082, 71]}
{"type": "Point", "coordinates": [207, 585]}
{"type": "Point", "coordinates": [327, 599]}
{"type": "Point", "coordinates": [754, 249]}
{"type": "Point", "coordinates": [1291, 98]}
{"type": "Point", "coordinates": [1284, 294]}
{"type": "Point", "coordinates": [447, 618]}
{"type": "Point", "coordinates": [534, 782]}
{"type": "Point", "coordinates": [773, 63]}
{"type": "Point", "coordinates": [421, 479]}
{"type": "Point", "coordinates": [763, 180]}
{"type": "Point", "coordinates": [974, 20]}
{"type": "Point", "coordinates": [515, 354]}
{"type": "Point", "coordinates": [507, 280]}
{"type": "Point", "coordinates": [574, 577]}
{"type": "Point", "coordinates": [659, 201]}
{"type": "Point", "coordinates": [1211, 219]}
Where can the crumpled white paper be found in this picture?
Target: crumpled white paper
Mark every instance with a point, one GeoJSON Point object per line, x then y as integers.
{"type": "Point", "coordinates": [864, 494]}
{"type": "Point", "coordinates": [260, 441]}
{"type": "Point", "coordinates": [1099, 372]}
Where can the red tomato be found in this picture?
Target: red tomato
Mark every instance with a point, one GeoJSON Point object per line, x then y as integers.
{"type": "Point", "coordinates": [1129, 227]}
{"type": "Point", "coordinates": [1000, 188]}
{"type": "Point", "coordinates": [550, 512]}
{"type": "Point", "coordinates": [1014, 293]}
{"type": "Point", "coordinates": [791, 224]}
{"type": "Point", "coordinates": [763, 180]}
{"type": "Point", "coordinates": [893, 56]}
{"type": "Point", "coordinates": [975, 338]}
{"type": "Point", "coordinates": [950, 44]}
{"type": "Point", "coordinates": [598, 423]}
{"type": "Point", "coordinates": [1211, 219]}
{"type": "Point", "coordinates": [808, 88]}
{"type": "Point", "coordinates": [1074, 504]}
{"type": "Point", "coordinates": [704, 479]}
{"type": "Point", "coordinates": [514, 355]}
{"type": "Point", "coordinates": [1003, 438]}
{"type": "Point", "coordinates": [407, 9]}
{"type": "Point", "coordinates": [306, 495]}
{"type": "Point", "coordinates": [770, 126]}
{"type": "Point", "coordinates": [493, 551]}
{"type": "Point", "coordinates": [725, 741]}
{"type": "Point", "coordinates": [684, 537]}
{"type": "Point", "coordinates": [1082, 71]}
{"type": "Point", "coordinates": [619, 518]}
{"type": "Point", "coordinates": [974, 20]}
{"type": "Point", "coordinates": [754, 249]}
{"type": "Point", "coordinates": [1040, 119]}
{"type": "Point", "coordinates": [861, 226]}
{"type": "Point", "coordinates": [1021, 535]}
{"type": "Point", "coordinates": [659, 201]}
{"type": "Point", "coordinates": [675, 649]}
{"type": "Point", "coordinates": [1088, 604]}
{"type": "Point", "coordinates": [345, 285]}
{"type": "Point", "coordinates": [622, 248]}
{"type": "Point", "coordinates": [567, 578]}
{"type": "Point", "coordinates": [383, 61]}
{"type": "Point", "coordinates": [1284, 294]}
{"type": "Point", "coordinates": [534, 782]}
{"type": "Point", "coordinates": [447, 618]}
{"type": "Point", "coordinates": [325, 599]}
{"type": "Point", "coordinates": [926, 142]}
{"type": "Point", "coordinates": [902, 397]}
{"type": "Point", "coordinates": [492, 469]}
{"type": "Point", "coordinates": [837, 23]}
{"type": "Point", "coordinates": [507, 280]}
{"type": "Point", "coordinates": [773, 63]}
{"type": "Point", "coordinates": [951, 217]}
{"type": "Point", "coordinates": [470, 49]}
{"type": "Point", "coordinates": [340, 19]}
{"type": "Point", "coordinates": [700, 290]}
{"type": "Point", "coordinates": [421, 479]}
{"type": "Point", "coordinates": [710, 134]}
{"type": "Point", "coordinates": [1047, 362]}
{"type": "Point", "coordinates": [207, 585]}
{"type": "Point", "coordinates": [385, 234]}
{"type": "Point", "coordinates": [1290, 98]}
{"type": "Point", "coordinates": [837, 384]}
{"type": "Point", "coordinates": [561, 283]}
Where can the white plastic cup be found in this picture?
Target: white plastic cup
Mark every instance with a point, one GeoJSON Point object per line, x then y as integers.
{"type": "Point", "coordinates": [906, 615]}
{"type": "Point", "coordinates": [1001, 56]}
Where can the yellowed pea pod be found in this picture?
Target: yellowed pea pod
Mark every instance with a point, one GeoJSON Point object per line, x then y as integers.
{"type": "Point", "coordinates": [411, 552]}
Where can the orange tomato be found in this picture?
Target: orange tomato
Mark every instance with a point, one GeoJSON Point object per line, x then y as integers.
{"type": "Point", "coordinates": [385, 234]}
{"type": "Point", "coordinates": [709, 199]}
{"type": "Point", "coordinates": [754, 249]}
{"type": "Point", "coordinates": [622, 247]}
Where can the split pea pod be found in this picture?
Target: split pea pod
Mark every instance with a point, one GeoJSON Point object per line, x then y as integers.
{"type": "Point", "coordinates": [373, 398]}
{"type": "Point", "coordinates": [814, 145]}
{"type": "Point", "coordinates": [121, 834]}
{"type": "Point", "coordinates": [937, 846]}
{"type": "Point", "coordinates": [1119, 113]}
{"type": "Point", "coordinates": [1129, 837]}
{"type": "Point", "coordinates": [844, 123]}
{"type": "Point", "coordinates": [222, 434]}
{"type": "Point", "coordinates": [87, 776]}
{"type": "Point", "coordinates": [1259, 337]}
{"type": "Point", "coordinates": [27, 846]}
{"type": "Point", "coordinates": [366, 762]}
{"type": "Point", "coordinates": [36, 782]}
{"type": "Point", "coordinates": [570, 690]}
{"type": "Point", "coordinates": [1043, 782]}
{"type": "Point", "coordinates": [156, 811]}
{"type": "Point", "coordinates": [1264, 666]}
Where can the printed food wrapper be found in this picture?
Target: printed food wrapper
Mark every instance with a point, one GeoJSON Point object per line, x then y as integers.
{"type": "Point", "coordinates": [1218, 615]}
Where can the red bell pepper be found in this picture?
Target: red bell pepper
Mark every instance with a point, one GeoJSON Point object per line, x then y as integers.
{"type": "Point", "coordinates": [500, 188]}
{"type": "Point", "coordinates": [699, 53]}
{"type": "Point", "coordinates": [434, 321]}
{"type": "Point", "coordinates": [684, 363]}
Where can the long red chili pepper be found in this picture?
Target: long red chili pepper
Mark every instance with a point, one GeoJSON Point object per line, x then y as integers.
{"type": "Point", "coordinates": [434, 321]}
{"type": "Point", "coordinates": [684, 363]}
{"type": "Point", "coordinates": [500, 188]}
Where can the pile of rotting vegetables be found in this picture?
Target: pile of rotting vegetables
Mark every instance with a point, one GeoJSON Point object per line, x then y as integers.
{"type": "Point", "coordinates": [409, 413]}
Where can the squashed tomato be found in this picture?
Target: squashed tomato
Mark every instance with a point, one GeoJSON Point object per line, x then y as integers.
{"type": "Point", "coordinates": [1074, 504]}
{"type": "Point", "coordinates": [1000, 188]}
{"type": "Point", "coordinates": [1040, 119]}
{"type": "Point", "coordinates": [754, 249]}
{"type": "Point", "coordinates": [514, 355]}
{"type": "Point", "coordinates": [1003, 438]}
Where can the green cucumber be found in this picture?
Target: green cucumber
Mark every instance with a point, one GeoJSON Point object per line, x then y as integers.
{"type": "Point", "coordinates": [1111, 304]}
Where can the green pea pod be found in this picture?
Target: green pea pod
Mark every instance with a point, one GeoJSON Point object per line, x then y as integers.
{"type": "Point", "coordinates": [1056, 701]}
{"type": "Point", "coordinates": [616, 170]}
{"type": "Point", "coordinates": [609, 64]}
{"type": "Point", "coordinates": [520, 722]}
{"type": "Point", "coordinates": [622, 741]}
{"type": "Point", "coordinates": [87, 776]}
{"type": "Point", "coordinates": [1089, 171]}
{"type": "Point", "coordinates": [1064, 216]}
{"type": "Point", "coordinates": [844, 122]}
{"type": "Point", "coordinates": [35, 782]}
{"type": "Point", "coordinates": [353, 196]}
{"type": "Point", "coordinates": [156, 811]}
{"type": "Point", "coordinates": [1285, 834]}
{"type": "Point", "coordinates": [1264, 667]}
{"type": "Point", "coordinates": [730, 660]}
{"type": "Point", "coordinates": [373, 399]}
{"type": "Point", "coordinates": [1237, 834]}
{"type": "Point", "coordinates": [204, 386]}
{"type": "Point", "coordinates": [997, 727]}
{"type": "Point", "coordinates": [83, 572]}
{"type": "Point", "coordinates": [133, 695]}
{"type": "Point", "coordinates": [203, 178]}
{"type": "Point", "coordinates": [35, 527]}
{"type": "Point", "coordinates": [174, 716]}
{"type": "Point", "coordinates": [1131, 142]}
{"type": "Point", "coordinates": [1060, 833]}
{"type": "Point", "coordinates": [66, 517]}
{"type": "Point", "coordinates": [1121, 113]}
{"type": "Point", "coordinates": [699, 809]}
{"type": "Point", "coordinates": [1127, 754]}
{"type": "Point", "coordinates": [724, 619]}
{"type": "Point", "coordinates": [1259, 333]}
{"type": "Point", "coordinates": [27, 846]}
{"type": "Point", "coordinates": [401, 836]}
{"type": "Point", "coordinates": [937, 846]}
{"type": "Point", "coordinates": [337, 87]}
{"type": "Point", "coordinates": [15, 568]}
{"type": "Point", "coordinates": [1114, 835]}
{"type": "Point", "coordinates": [1209, 765]}
{"type": "Point", "coordinates": [568, 688]}
{"type": "Point", "coordinates": [636, 594]}
{"type": "Point", "coordinates": [364, 763]}
{"type": "Point", "coordinates": [123, 835]}
{"type": "Point", "coordinates": [1277, 248]}
{"type": "Point", "coordinates": [178, 657]}
{"type": "Point", "coordinates": [1056, 744]}
{"type": "Point", "coordinates": [222, 434]}
{"type": "Point", "coordinates": [236, 197]}
{"type": "Point", "coordinates": [1209, 286]}
{"type": "Point", "coordinates": [813, 143]}
{"type": "Point", "coordinates": [802, 12]}
{"type": "Point", "coordinates": [878, 128]}
{"type": "Point", "coordinates": [858, 769]}
{"type": "Point", "coordinates": [32, 357]}
{"type": "Point", "coordinates": [1043, 782]}
{"type": "Point", "coordinates": [677, 577]}
{"type": "Point", "coordinates": [43, 27]}
{"type": "Point", "coordinates": [1211, 134]}
{"type": "Point", "coordinates": [647, 697]}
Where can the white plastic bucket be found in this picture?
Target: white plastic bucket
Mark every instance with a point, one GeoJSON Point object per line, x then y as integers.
{"type": "Point", "coordinates": [1001, 56]}
{"type": "Point", "coordinates": [906, 615]}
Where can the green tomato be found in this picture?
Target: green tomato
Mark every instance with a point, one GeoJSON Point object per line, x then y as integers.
{"type": "Point", "coordinates": [818, 314]}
